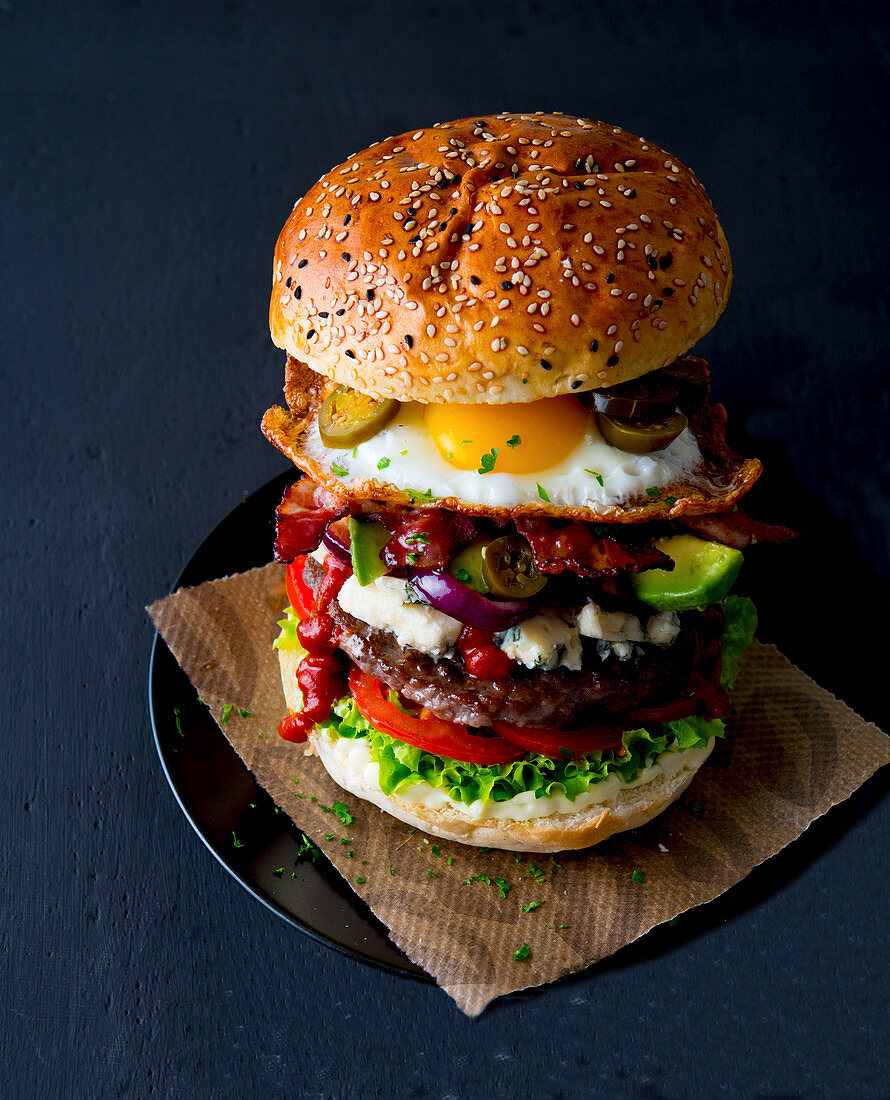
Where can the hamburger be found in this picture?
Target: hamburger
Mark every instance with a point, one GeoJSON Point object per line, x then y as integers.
{"type": "Point", "coordinates": [511, 552]}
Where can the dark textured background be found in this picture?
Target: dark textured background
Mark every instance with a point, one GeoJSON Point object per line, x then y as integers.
{"type": "Point", "coordinates": [149, 153]}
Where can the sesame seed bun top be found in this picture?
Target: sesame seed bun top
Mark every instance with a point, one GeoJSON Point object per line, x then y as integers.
{"type": "Point", "coordinates": [499, 258]}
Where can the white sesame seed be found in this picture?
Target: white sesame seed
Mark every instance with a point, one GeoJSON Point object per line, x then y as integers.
{"type": "Point", "coordinates": [575, 319]}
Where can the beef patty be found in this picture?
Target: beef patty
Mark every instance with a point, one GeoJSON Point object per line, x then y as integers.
{"type": "Point", "coordinates": [558, 698]}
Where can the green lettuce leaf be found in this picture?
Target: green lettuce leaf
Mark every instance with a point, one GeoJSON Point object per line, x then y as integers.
{"type": "Point", "coordinates": [401, 765]}
{"type": "Point", "coordinates": [288, 638]}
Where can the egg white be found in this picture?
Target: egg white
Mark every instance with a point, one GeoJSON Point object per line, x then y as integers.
{"type": "Point", "coordinates": [414, 463]}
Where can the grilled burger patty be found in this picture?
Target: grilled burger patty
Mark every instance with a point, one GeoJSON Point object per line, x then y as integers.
{"type": "Point", "coordinates": [558, 698]}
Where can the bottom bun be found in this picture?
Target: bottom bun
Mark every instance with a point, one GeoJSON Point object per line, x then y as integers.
{"type": "Point", "coordinates": [628, 808]}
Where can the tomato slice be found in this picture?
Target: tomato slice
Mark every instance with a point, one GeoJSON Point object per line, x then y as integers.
{"type": "Point", "coordinates": [549, 742]}
{"type": "Point", "coordinates": [429, 733]}
{"type": "Point", "coordinates": [301, 596]}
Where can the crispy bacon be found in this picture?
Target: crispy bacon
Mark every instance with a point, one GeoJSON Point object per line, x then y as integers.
{"type": "Point", "coordinates": [425, 539]}
{"type": "Point", "coordinates": [300, 519]}
{"type": "Point", "coordinates": [737, 530]}
{"type": "Point", "coordinates": [579, 548]}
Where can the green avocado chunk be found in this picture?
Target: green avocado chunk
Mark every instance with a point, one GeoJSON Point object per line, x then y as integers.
{"type": "Point", "coordinates": [367, 539]}
{"type": "Point", "coordinates": [467, 566]}
{"type": "Point", "coordinates": [703, 574]}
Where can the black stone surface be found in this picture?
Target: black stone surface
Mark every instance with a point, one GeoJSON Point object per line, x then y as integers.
{"type": "Point", "coordinates": [149, 153]}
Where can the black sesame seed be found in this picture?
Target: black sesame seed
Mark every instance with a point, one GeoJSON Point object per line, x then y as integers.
{"type": "Point", "coordinates": [468, 229]}
{"type": "Point", "coordinates": [340, 312]}
{"type": "Point", "coordinates": [347, 219]}
{"type": "Point", "coordinates": [287, 281]}
{"type": "Point", "coordinates": [370, 295]}
{"type": "Point", "coordinates": [546, 365]}
{"type": "Point", "coordinates": [345, 256]}
{"type": "Point", "coordinates": [667, 291]}
{"type": "Point", "coordinates": [666, 260]}
{"type": "Point", "coordinates": [453, 212]}
{"type": "Point", "coordinates": [310, 334]}
{"type": "Point", "coordinates": [506, 285]}
{"type": "Point", "coordinates": [414, 240]}
{"type": "Point", "coordinates": [657, 304]}
{"type": "Point", "coordinates": [575, 384]}
{"type": "Point", "coordinates": [351, 354]}
{"type": "Point", "coordinates": [612, 361]}
{"type": "Point", "coordinates": [610, 278]}
{"type": "Point", "coordinates": [594, 345]}
{"type": "Point", "coordinates": [298, 292]}
{"type": "Point", "coordinates": [475, 280]}
{"type": "Point", "coordinates": [652, 262]}
{"type": "Point", "coordinates": [578, 186]}
{"type": "Point", "coordinates": [409, 340]}
{"type": "Point", "coordinates": [323, 313]}
{"type": "Point", "coordinates": [579, 164]}
{"type": "Point", "coordinates": [302, 263]}
{"type": "Point", "coordinates": [631, 194]}
{"type": "Point", "coordinates": [442, 225]}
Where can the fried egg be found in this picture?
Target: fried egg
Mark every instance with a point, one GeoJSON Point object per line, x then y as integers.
{"type": "Point", "coordinates": [506, 455]}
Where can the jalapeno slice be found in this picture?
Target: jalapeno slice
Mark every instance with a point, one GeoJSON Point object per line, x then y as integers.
{"type": "Point", "coordinates": [640, 439]}
{"type": "Point", "coordinates": [347, 417]}
{"type": "Point", "coordinates": [508, 569]}
{"type": "Point", "coordinates": [640, 399]}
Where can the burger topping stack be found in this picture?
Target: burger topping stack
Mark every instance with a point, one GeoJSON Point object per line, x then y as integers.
{"type": "Point", "coordinates": [509, 561]}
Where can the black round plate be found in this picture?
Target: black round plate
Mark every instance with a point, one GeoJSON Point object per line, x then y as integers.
{"type": "Point", "coordinates": [220, 797]}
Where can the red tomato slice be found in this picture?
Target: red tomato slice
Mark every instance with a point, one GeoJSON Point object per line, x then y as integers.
{"type": "Point", "coordinates": [429, 733]}
{"type": "Point", "coordinates": [301, 596]}
{"type": "Point", "coordinates": [549, 742]}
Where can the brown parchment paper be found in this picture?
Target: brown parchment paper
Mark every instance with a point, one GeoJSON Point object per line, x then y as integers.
{"type": "Point", "coordinates": [792, 753]}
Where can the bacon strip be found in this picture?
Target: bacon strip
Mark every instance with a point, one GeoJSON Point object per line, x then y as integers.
{"type": "Point", "coordinates": [426, 539]}
{"type": "Point", "coordinates": [578, 548]}
{"type": "Point", "coordinates": [737, 530]}
{"type": "Point", "coordinates": [300, 519]}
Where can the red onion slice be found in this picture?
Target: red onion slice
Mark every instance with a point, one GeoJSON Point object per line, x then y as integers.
{"type": "Point", "coordinates": [337, 542]}
{"type": "Point", "coordinates": [447, 594]}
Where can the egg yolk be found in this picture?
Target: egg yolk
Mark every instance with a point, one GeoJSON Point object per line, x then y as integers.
{"type": "Point", "coordinates": [519, 438]}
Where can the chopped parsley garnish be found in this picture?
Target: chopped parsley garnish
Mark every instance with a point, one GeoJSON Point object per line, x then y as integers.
{"type": "Point", "coordinates": [653, 491]}
{"type": "Point", "coordinates": [307, 848]}
{"type": "Point", "coordinates": [330, 836]}
{"type": "Point", "coordinates": [637, 876]}
{"type": "Point", "coordinates": [462, 575]}
{"type": "Point", "coordinates": [523, 953]}
{"type": "Point", "coordinates": [514, 441]}
{"type": "Point", "coordinates": [531, 905]}
{"type": "Point", "coordinates": [485, 849]}
{"type": "Point", "coordinates": [236, 843]}
{"type": "Point", "coordinates": [342, 811]}
{"type": "Point", "coordinates": [245, 713]}
{"type": "Point", "coordinates": [435, 851]}
{"type": "Point", "coordinates": [392, 870]}
{"type": "Point", "coordinates": [278, 872]}
{"type": "Point", "coordinates": [339, 470]}
{"type": "Point", "coordinates": [670, 501]}
{"type": "Point", "coordinates": [177, 712]}
{"type": "Point", "coordinates": [542, 493]}
{"type": "Point", "coordinates": [450, 860]}
{"type": "Point", "coordinates": [477, 878]}
{"type": "Point", "coordinates": [593, 473]}
{"type": "Point", "coordinates": [361, 880]}
{"type": "Point", "coordinates": [227, 710]}
{"type": "Point", "coordinates": [536, 872]}
{"type": "Point", "coordinates": [422, 537]}
{"type": "Point", "coordinates": [412, 558]}
{"type": "Point", "coordinates": [383, 463]}
{"type": "Point", "coordinates": [487, 461]}
{"type": "Point", "coordinates": [503, 887]}
{"type": "Point", "coordinates": [432, 874]}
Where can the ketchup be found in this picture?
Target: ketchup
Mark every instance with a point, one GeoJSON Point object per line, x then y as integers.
{"type": "Point", "coordinates": [482, 658]}
{"type": "Point", "coordinates": [321, 674]}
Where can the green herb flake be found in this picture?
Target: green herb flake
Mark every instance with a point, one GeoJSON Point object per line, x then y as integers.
{"type": "Point", "coordinates": [503, 887]}
{"type": "Point", "coordinates": [594, 474]}
{"type": "Point", "coordinates": [476, 878]}
{"type": "Point", "coordinates": [462, 575]}
{"type": "Point", "coordinates": [412, 558]}
{"type": "Point", "coordinates": [536, 872]}
{"type": "Point", "coordinates": [383, 463]}
{"type": "Point", "coordinates": [523, 953]}
{"type": "Point", "coordinates": [432, 874]}
{"type": "Point", "coordinates": [450, 860]}
{"type": "Point", "coordinates": [542, 493]}
{"type": "Point", "coordinates": [342, 811]}
{"type": "Point", "coordinates": [435, 851]}
{"type": "Point", "coordinates": [637, 876]}
{"type": "Point", "coordinates": [227, 710]}
{"type": "Point", "coordinates": [531, 905]}
{"type": "Point", "coordinates": [517, 859]}
{"type": "Point", "coordinates": [514, 441]}
{"type": "Point", "coordinates": [330, 836]}
{"type": "Point", "coordinates": [278, 872]}
{"type": "Point", "coordinates": [556, 866]}
{"type": "Point", "coordinates": [653, 491]}
{"type": "Point", "coordinates": [339, 470]}
{"type": "Point", "coordinates": [562, 926]}
{"type": "Point", "coordinates": [176, 718]}
{"type": "Point", "coordinates": [236, 843]}
{"type": "Point", "coordinates": [307, 848]}
{"type": "Point", "coordinates": [245, 713]}
{"type": "Point", "coordinates": [487, 461]}
{"type": "Point", "coordinates": [422, 537]}
{"type": "Point", "coordinates": [485, 849]}
{"type": "Point", "coordinates": [360, 881]}
{"type": "Point", "coordinates": [392, 870]}
{"type": "Point", "coordinates": [670, 501]}
{"type": "Point", "coordinates": [403, 452]}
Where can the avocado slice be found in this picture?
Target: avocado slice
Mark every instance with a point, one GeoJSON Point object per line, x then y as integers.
{"type": "Point", "coordinates": [467, 566]}
{"type": "Point", "coordinates": [703, 574]}
{"type": "Point", "coordinates": [367, 539]}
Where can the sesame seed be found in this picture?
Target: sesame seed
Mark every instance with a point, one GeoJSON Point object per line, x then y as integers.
{"type": "Point", "coordinates": [594, 345]}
